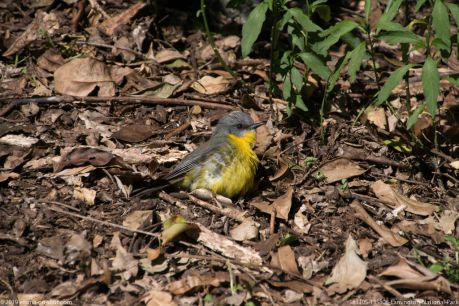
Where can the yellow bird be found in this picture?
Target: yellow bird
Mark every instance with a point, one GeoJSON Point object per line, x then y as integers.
{"type": "Point", "coordinates": [226, 163]}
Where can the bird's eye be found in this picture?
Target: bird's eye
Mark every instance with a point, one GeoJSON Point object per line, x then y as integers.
{"type": "Point", "coordinates": [239, 126]}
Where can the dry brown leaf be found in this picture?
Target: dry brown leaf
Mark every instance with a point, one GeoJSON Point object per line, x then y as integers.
{"type": "Point", "coordinates": [414, 276]}
{"type": "Point", "coordinates": [209, 85]}
{"type": "Point", "coordinates": [152, 254]}
{"type": "Point", "coordinates": [80, 156]}
{"type": "Point", "coordinates": [81, 76]}
{"type": "Point", "coordinates": [264, 137]}
{"type": "Point", "coordinates": [97, 240]}
{"type": "Point", "coordinates": [385, 192]}
{"type": "Point", "coordinates": [189, 282]}
{"type": "Point", "coordinates": [30, 298]}
{"type": "Point", "coordinates": [52, 247]}
{"type": "Point", "coordinates": [124, 262]}
{"type": "Point", "coordinates": [297, 286]}
{"type": "Point", "coordinates": [73, 171]}
{"type": "Point", "coordinates": [76, 245]}
{"type": "Point", "coordinates": [157, 297]}
{"type": "Point", "coordinates": [376, 116]}
{"type": "Point", "coordinates": [7, 175]}
{"type": "Point", "coordinates": [447, 221]}
{"type": "Point", "coordinates": [43, 23]}
{"type": "Point", "coordinates": [228, 42]}
{"type": "Point", "coordinates": [167, 55]}
{"type": "Point", "coordinates": [86, 195]}
{"type": "Point", "coordinates": [401, 270]}
{"type": "Point", "coordinates": [247, 230]}
{"type": "Point", "coordinates": [300, 221]}
{"type": "Point", "coordinates": [284, 259]}
{"type": "Point", "coordinates": [349, 272]}
{"type": "Point", "coordinates": [112, 25]}
{"type": "Point", "coordinates": [18, 140]}
{"type": "Point", "coordinates": [455, 164]}
{"type": "Point", "coordinates": [283, 204]}
{"type": "Point", "coordinates": [30, 110]}
{"type": "Point", "coordinates": [134, 133]}
{"type": "Point", "coordinates": [424, 227]}
{"type": "Point", "coordinates": [64, 290]}
{"type": "Point", "coordinates": [136, 219]}
{"type": "Point", "coordinates": [392, 238]}
{"type": "Point", "coordinates": [340, 168]}
{"type": "Point", "coordinates": [365, 246]}
{"type": "Point", "coordinates": [280, 171]}
{"type": "Point", "coordinates": [50, 60]}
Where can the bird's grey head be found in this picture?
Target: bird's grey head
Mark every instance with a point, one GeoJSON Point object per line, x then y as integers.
{"type": "Point", "coordinates": [237, 123]}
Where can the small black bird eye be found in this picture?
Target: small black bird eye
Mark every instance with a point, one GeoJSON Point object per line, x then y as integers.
{"type": "Point", "coordinates": [239, 126]}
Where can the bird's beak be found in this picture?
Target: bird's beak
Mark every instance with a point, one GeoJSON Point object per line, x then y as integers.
{"type": "Point", "coordinates": [256, 125]}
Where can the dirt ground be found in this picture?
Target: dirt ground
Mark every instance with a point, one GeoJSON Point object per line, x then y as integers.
{"type": "Point", "coordinates": [98, 100]}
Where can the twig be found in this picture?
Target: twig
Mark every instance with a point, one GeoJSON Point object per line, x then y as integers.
{"type": "Point", "coordinates": [99, 221]}
{"type": "Point", "coordinates": [401, 180]}
{"type": "Point", "coordinates": [61, 204]}
{"type": "Point", "coordinates": [96, 6]}
{"type": "Point", "coordinates": [372, 200]}
{"type": "Point", "coordinates": [141, 55]}
{"type": "Point", "coordinates": [230, 212]}
{"type": "Point", "coordinates": [390, 289]}
{"type": "Point", "coordinates": [77, 16]}
{"type": "Point", "coordinates": [8, 286]}
{"type": "Point", "coordinates": [121, 99]}
{"type": "Point", "coordinates": [178, 130]}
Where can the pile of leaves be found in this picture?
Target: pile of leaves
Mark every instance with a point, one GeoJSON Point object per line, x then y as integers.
{"type": "Point", "coordinates": [98, 100]}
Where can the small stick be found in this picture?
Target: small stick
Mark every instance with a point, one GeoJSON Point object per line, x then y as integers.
{"type": "Point", "coordinates": [390, 289]}
{"type": "Point", "coordinates": [121, 99]}
{"type": "Point", "coordinates": [178, 130]}
{"type": "Point", "coordinates": [100, 221]}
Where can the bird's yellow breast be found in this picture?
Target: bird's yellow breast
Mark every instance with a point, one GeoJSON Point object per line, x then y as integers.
{"type": "Point", "coordinates": [230, 171]}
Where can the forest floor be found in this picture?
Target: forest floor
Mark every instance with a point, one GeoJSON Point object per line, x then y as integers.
{"type": "Point", "coordinates": [98, 101]}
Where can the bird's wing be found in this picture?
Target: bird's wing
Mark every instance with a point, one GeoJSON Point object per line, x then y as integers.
{"type": "Point", "coordinates": [191, 160]}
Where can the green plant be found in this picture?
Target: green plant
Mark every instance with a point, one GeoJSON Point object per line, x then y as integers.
{"type": "Point", "coordinates": [449, 266]}
{"type": "Point", "coordinates": [310, 44]}
{"type": "Point", "coordinates": [301, 35]}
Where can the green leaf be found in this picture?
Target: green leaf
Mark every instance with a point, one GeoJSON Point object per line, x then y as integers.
{"type": "Point", "coordinates": [367, 9]}
{"type": "Point", "coordinates": [414, 117]}
{"type": "Point", "coordinates": [391, 82]}
{"type": "Point", "coordinates": [454, 9]}
{"type": "Point", "coordinates": [334, 77]}
{"type": "Point", "coordinates": [399, 37]}
{"type": "Point", "coordinates": [304, 21]}
{"type": "Point", "coordinates": [316, 64]}
{"type": "Point", "coordinates": [339, 28]}
{"type": "Point", "coordinates": [287, 88]}
{"type": "Point", "coordinates": [431, 85]}
{"type": "Point", "coordinates": [453, 79]}
{"type": "Point", "coordinates": [324, 12]}
{"type": "Point", "coordinates": [334, 33]}
{"type": "Point", "coordinates": [356, 60]}
{"type": "Point", "coordinates": [252, 28]}
{"type": "Point", "coordinates": [299, 103]}
{"type": "Point", "coordinates": [298, 41]}
{"type": "Point", "coordinates": [436, 267]}
{"type": "Point", "coordinates": [297, 79]}
{"type": "Point", "coordinates": [419, 3]}
{"type": "Point", "coordinates": [441, 24]}
{"type": "Point", "coordinates": [391, 11]}
{"type": "Point", "coordinates": [391, 26]}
